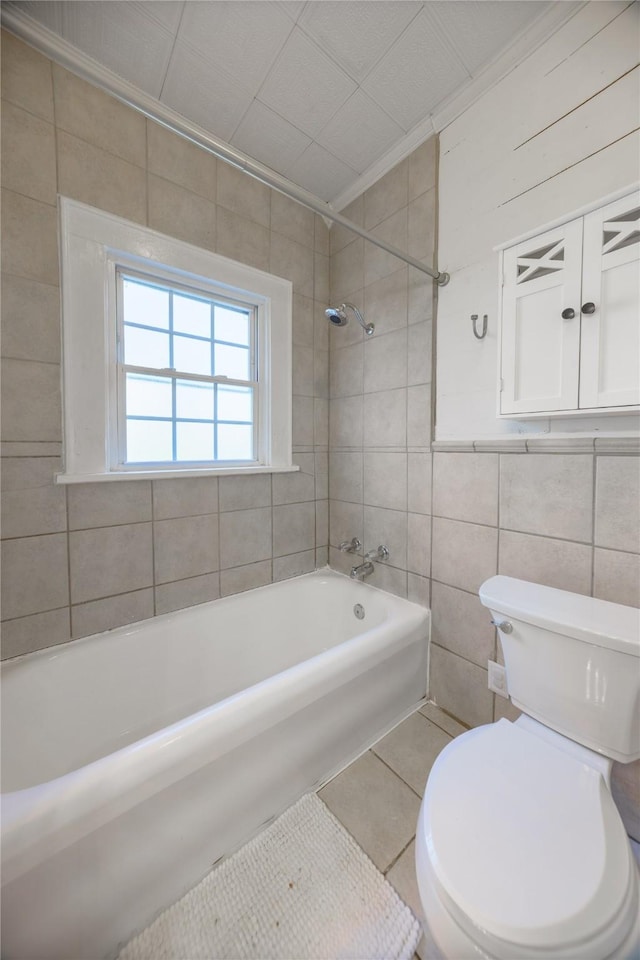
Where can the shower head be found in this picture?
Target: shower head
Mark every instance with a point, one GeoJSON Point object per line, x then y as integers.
{"type": "Point", "coordinates": [338, 317]}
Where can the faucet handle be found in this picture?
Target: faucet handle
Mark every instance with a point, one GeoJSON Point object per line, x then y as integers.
{"type": "Point", "coordinates": [350, 546]}
{"type": "Point", "coordinates": [381, 553]}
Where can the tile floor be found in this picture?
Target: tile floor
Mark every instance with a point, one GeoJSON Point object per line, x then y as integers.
{"type": "Point", "coordinates": [377, 799]}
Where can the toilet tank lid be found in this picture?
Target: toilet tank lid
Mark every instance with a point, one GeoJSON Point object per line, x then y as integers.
{"type": "Point", "coordinates": [599, 622]}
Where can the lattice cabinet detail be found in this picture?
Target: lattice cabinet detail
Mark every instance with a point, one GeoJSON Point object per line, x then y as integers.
{"type": "Point", "coordinates": [570, 316]}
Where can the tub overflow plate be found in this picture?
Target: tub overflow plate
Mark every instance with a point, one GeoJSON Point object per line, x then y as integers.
{"type": "Point", "coordinates": [359, 611]}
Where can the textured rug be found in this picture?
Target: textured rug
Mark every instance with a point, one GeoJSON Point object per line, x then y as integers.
{"type": "Point", "coordinates": [301, 890]}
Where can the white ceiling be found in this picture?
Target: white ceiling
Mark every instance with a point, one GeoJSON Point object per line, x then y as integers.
{"type": "Point", "coordinates": [320, 91]}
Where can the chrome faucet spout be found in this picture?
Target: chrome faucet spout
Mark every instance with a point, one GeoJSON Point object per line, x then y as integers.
{"type": "Point", "coordinates": [362, 570]}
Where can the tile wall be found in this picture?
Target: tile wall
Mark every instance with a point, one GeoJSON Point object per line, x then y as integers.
{"type": "Point", "coordinates": [564, 513]}
{"type": "Point", "coordinates": [80, 559]}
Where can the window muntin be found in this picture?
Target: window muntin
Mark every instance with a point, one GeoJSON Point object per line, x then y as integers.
{"type": "Point", "coordinates": [187, 375]}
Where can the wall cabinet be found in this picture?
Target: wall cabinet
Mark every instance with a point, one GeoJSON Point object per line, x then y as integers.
{"type": "Point", "coordinates": [570, 316]}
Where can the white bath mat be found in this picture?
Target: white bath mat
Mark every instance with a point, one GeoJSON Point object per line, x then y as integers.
{"type": "Point", "coordinates": [301, 890]}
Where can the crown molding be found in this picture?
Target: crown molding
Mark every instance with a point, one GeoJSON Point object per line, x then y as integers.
{"type": "Point", "coordinates": [452, 107]}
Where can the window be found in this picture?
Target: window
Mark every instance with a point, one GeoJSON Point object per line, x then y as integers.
{"type": "Point", "coordinates": [175, 359]}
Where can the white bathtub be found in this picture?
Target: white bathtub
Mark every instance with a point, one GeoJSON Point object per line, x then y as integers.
{"type": "Point", "coordinates": [134, 759]}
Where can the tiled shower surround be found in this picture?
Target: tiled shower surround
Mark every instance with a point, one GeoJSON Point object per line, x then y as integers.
{"type": "Point", "coordinates": [85, 558]}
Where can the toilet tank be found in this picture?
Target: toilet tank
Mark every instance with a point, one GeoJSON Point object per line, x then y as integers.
{"type": "Point", "coordinates": [572, 662]}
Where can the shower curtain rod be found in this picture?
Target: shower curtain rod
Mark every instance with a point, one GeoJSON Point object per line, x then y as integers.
{"type": "Point", "coordinates": [79, 63]}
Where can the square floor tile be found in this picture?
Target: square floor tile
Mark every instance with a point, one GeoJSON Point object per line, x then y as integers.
{"type": "Point", "coordinates": [402, 876]}
{"type": "Point", "coordinates": [376, 807]}
{"type": "Point", "coordinates": [442, 719]}
{"type": "Point", "coordinates": [411, 748]}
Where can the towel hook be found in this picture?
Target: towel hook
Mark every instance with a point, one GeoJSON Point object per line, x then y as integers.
{"type": "Point", "coordinates": [474, 320]}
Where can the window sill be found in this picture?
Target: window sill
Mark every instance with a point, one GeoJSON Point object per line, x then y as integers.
{"type": "Point", "coordinates": [68, 478]}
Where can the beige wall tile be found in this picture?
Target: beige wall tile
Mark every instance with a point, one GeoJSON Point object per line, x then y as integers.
{"type": "Point", "coordinates": [347, 275]}
{"type": "Point", "coordinates": [419, 544]}
{"type": "Point", "coordinates": [294, 565]}
{"type": "Point", "coordinates": [293, 220]}
{"type": "Point", "coordinates": [106, 504]}
{"type": "Point", "coordinates": [387, 528]}
{"type": "Point", "coordinates": [245, 537]}
{"type": "Point", "coordinates": [101, 179]}
{"type": "Point", "coordinates": [411, 749]}
{"type": "Point", "coordinates": [36, 632]}
{"type": "Point", "coordinates": [346, 521]}
{"type": "Point", "coordinates": [461, 624]}
{"type": "Point", "coordinates": [321, 373]}
{"type": "Point", "coordinates": [99, 615]}
{"type": "Point", "coordinates": [241, 493]}
{"type": "Point", "coordinates": [242, 239]}
{"type": "Point", "coordinates": [303, 422]}
{"type": "Point", "coordinates": [295, 487]}
{"type": "Point", "coordinates": [180, 213]}
{"type": "Point", "coordinates": [28, 154]}
{"type": "Point", "coordinates": [617, 577]}
{"type": "Point", "coordinates": [420, 297]}
{"type": "Point", "coordinates": [419, 416]}
{"type": "Point", "coordinates": [87, 112]}
{"type": "Point", "coordinates": [419, 357]}
{"type": "Point", "coordinates": [390, 579]}
{"type": "Point", "coordinates": [362, 796]}
{"type": "Point", "coordinates": [442, 719]}
{"type": "Point", "coordinates": [345, 422]}
{"type": "Point", "coordinates": [29, 238]}
{"type": "Point", "coordinates": [385, 419]}
{"type": "Point", "coordinates": [321, 234]}
{"type": "Point", "coordinates": [33, 511]}
{"type": "Point", "coordinates": [346, 476]}
{"type": "Point", "coordinates": [110, 560]}
{"type": "Point", "coordinates": [385, 480]}
{"type": "Point", "coordinates": [385, 302]}
{"type": "Point", "coordinates": [421, 226]}
{"type": "Point", "coordinates": [346, 371]}
{"type": "Point", "coordinates": [339, 236]}
{"type": "Point", "coordinates": [174, 158]}
{"type": "Point", "coordinates": [247, 577]}
{"type": "Point", "coordinates": [321, 277]}
{"type": "Point", "coordinates": [293, 261]}
{"type": "Point", "coordinates": [460, 687]}
{"type": "Point", "coordinates": [422, 167]}
{"type": "Point", "coordinates": [322, 523]}
{"type": "Point", "coordinates": [377, 262]}
{"type": "Point", "coordinates": [31, 403]}
{"type": "Point", "coordinates": [465, 486]}
{"type": "Point", "coordinates": [185, 547]}
{"type": "Point", "coordinates": [320, 422]}
{"type": "Point", "coordinates": [26, 77]}
{"type": "Point", "coordinates": [419, 589]}
{"type": "Point", "coordinates": [388, 194]}
{"type": "Point", "coordinates": [303, 372]}
{"type": "Point", "coordinates": [556, 563]}
{"type": "Point", "coordinates": [30, 320]}
{"type": "Point", "coordinates": [617, 521]}
{"type": "Point", "coordinates": [187, 593]}
{"type": "Point", "coordinates": [303, 321]}
{"type": "Point", "coordinates": [548, 494]}
{"type": "Point", "coordinates": [385, 362]}
{"type": "Point", "coordinates": [190, 496]}
{"type": "Point", "coordinates": [419, 482]}
{"type": "Point", "coordinates": [294, 528]}
{"type": "Point", "coordinates": [243, 195]}
{"type": "Point", "coordinates": [34, 575]}
{"type": "Point", "coordinates": [464, 554]}
{"type": "Point", "coordinates": [322, 474]}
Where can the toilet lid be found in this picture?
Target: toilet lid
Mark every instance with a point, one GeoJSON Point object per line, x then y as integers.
{"type": "Point", "coordinates": [525, 839]}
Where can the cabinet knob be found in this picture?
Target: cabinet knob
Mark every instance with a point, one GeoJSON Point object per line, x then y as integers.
{"type": "Point", "coordinates": [568, 314]}
{"type": "Point", "coordinates": [588, 308]}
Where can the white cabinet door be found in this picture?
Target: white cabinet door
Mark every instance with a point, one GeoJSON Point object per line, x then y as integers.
{"type": "Point", "coordinates": [610, 302]}
{"type": "Point", "coordinates": [541, 322]}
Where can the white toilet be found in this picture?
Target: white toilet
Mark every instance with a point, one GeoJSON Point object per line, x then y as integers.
{"type": "Point", "coordinates": [521, 853]}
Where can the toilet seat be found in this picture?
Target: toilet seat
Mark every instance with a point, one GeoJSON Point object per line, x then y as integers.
{"type": "Point", "coordinates": [526, 847]}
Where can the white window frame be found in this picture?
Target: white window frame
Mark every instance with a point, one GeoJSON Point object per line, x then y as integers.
{"type": "Point", "coordinates": [93, 245]}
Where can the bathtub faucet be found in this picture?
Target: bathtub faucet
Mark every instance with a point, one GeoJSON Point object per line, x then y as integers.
{"type": "Point", "coordinates": [362, 570]}
{"type": "Point", "coordinates": [382, 553]}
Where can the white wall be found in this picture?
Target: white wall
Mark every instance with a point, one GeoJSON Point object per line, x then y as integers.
{"type": "Point", "coordinates": [557, 133]}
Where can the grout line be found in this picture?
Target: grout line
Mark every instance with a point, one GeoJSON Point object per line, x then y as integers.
{"type": "Point", "coordinates": [395, 772]}
{"type": "Point", "coordinates": [395, 860]}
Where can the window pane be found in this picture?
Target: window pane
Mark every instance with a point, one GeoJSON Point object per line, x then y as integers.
{"type": "Point", "coordinates": [235, 403]}
{"type": "Point", "coordinates": [232, 362]}
{"type": "Point", "coordinates": [234, 442]}
{"type": "Point", "coordinates": [146, 348]}
{"type": "Point", "coordinates": [232, 325]}
{"type": "Point", "coordinates": [148, 396]}
{"type": "Point", "coordinates": [192, 356]}
{"type": "Point", "coordinates": [194, 401]}
{"type": "Point", "coordinates": [144, 304]}
{"type": "Point", "coordinates": [191, 315]}
{"type": "Point", "coordinates": [149, 441]}
{"type": "Point", "coordinates": [194, 441]}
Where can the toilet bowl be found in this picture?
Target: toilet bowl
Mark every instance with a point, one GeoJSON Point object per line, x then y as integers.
{"type": "Point", "coordinates": [520, 850]}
